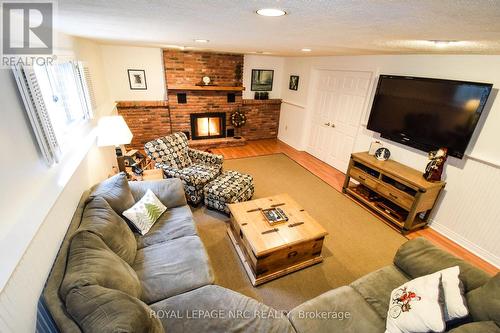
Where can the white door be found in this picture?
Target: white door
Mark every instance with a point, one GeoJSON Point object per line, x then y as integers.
{"type": "Point", "coordinates": [339, 101]}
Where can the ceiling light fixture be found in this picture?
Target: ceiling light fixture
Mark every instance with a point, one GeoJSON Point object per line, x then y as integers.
{"type": "Point", "coordinates": [273, 12]}
{"type": "Point", "coordinates": [443, 43]}
{"type": "Point", "coordinates": [306, 50]}
{"type": "Point", "coordinates": [201, 40]}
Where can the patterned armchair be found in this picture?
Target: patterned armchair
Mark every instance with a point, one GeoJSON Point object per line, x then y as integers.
{"type": "Point", "coordinates": [194, 167]}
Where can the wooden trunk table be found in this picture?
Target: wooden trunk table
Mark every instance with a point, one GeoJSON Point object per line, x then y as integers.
{"type": "Point", "coordinates": [271, 251]}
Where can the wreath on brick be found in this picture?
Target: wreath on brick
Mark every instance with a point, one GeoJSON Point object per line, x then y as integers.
{"type": "Point", "coordinates": [238, 118]}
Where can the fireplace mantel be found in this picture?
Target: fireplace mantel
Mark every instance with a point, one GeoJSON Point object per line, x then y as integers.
{"type": "Point", "coordinates": [204, 88]}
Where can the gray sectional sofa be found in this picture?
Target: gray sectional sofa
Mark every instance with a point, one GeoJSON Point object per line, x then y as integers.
{"type": "Point", "coordinates": [107, 278]}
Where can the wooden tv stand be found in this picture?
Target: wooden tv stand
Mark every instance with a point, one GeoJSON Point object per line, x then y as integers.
{"type": "Point", "coordinates": [394, 191]}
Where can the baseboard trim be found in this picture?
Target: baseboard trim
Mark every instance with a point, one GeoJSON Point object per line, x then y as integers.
{"type": "Point", "coordinates": [466, 244]}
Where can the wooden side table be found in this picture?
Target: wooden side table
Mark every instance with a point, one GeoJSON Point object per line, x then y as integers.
{"type": "Point", "coordinates": [396, 192]}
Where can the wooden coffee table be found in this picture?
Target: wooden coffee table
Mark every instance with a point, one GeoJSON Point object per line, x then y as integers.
{"type": "Point", "coordinates": [271, 251]}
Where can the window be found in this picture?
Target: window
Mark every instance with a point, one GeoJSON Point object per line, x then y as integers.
{"type": "Point", "coordinates": [58, 99]}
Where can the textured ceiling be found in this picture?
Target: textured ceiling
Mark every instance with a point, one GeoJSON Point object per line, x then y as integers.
{"type": "Point", "coordinates": [335, 27]}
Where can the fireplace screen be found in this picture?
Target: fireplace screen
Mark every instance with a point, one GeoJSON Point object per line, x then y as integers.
{"type": "Point", "coordinates": [208, 125]}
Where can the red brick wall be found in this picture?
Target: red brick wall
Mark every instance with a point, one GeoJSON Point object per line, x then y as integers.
{"type": "Point", "coordinates": [263, 117]}
{"type": "Point", "coordinates": [188, 68]}
{"type": "Point", "coordinates": [147, 120]}
{"type": "Point", "coordinates": [152, 119]}
{"type": "Point", "coordinates": [200, 102]}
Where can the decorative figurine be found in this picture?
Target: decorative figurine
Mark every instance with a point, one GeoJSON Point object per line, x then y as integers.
{"type": "Point", "coordinates": [434, 168]}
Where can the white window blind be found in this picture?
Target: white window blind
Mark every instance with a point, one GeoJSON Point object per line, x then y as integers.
{"type": "Point", "coordinates": [37, 113]}
{"type": "Point", "coordinates": [57, 98]}
{"type": "Point", "coordinates": [87, 87]}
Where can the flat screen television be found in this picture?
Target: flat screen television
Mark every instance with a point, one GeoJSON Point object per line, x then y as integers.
{"type": "Point", "coordinates": [428, 113]}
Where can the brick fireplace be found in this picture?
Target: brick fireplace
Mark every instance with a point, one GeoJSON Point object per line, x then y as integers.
{"type": "Point", "coordinates": [188, 99]}
{"type": "Point", "coordinates": [183, 75]}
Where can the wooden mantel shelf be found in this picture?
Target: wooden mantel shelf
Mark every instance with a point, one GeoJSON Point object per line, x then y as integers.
{"type": "Point", "coordinates": [207, 88]}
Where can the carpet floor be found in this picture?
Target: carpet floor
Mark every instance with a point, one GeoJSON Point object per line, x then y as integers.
{"type": "Point", "coordinates": [357, 244]}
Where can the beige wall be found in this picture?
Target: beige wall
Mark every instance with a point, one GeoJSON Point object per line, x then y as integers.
{"type": "Point", "coordinates": [37, 202]}
{"type": "Point", "coordinates": [117, 59]}
{"type": "Point", "coordinates": [467, 212]}
{"type": "Point", "coordinates": [263, 62]}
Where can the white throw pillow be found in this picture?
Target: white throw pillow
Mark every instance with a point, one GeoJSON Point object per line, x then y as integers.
{"type": "Point", "coordinates": [454, 300]}
{"type": "Point", "coordinates": [145, 212]}
{"type": "Point", "coordinates": [415, 306]}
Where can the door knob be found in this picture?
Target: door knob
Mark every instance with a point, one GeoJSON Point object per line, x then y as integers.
{"type": "Point", "coordinates": [333, 125]}
{"type": "Point", "coordinates": [327, 124]}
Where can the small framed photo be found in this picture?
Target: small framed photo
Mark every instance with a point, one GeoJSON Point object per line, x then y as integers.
{"type": "Point", "coordinates": [137, 79]}
{"type": "Point", "coordinates": [262, 79]}
{"type": "Point", "coordinates": [294, 82]}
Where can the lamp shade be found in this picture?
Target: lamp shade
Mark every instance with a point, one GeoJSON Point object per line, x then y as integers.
{"type": "Point", "coordinates": [113, 131]}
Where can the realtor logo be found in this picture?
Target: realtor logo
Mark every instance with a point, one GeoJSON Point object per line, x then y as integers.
{"type": "Point", "coordinates": [27, 28]}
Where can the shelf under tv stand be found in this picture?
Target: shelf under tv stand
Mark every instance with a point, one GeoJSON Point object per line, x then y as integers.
{"type": "Point", "coordinates": [395, 192]}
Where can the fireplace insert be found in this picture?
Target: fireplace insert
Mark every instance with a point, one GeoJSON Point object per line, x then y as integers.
{"type": "Point", "coordinates": [208, 125]}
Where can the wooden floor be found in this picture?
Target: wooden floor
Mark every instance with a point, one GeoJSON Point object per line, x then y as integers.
{"type": "Point", "coordinates": [336, 179]}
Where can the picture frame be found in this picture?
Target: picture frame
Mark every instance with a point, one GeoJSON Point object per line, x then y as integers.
{"type": "Point", "coordinates": [262, 79]}
{"type": "Point", "coordinates": [294, 82]}
{"type": "Point", "coordinates": [137, 79]}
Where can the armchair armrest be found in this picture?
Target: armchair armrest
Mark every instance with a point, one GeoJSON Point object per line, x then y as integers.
{"type": "Point", "coordinates": [169, 191]}
{"type": "Point", "coordinates": [174, 172]}
{"type": "Point", "coordinates": [203, 157]}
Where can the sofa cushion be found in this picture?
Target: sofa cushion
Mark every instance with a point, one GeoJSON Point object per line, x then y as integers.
{"type": "Point", "coordinates": [169, 191]}
{"type": "Point", "coordinates": [199, 174]}
{"type": "Point", "coordinates": [477, 327]}
{"type": "Point", "coordinates": [98, 309]}
{"type": "Point", "coordinates": [416, 306]}
{"type": "Point", "coordinates": [219, 310]}
{"type": "Point", "coordinates": [171, 268]}
{"type": "Point", "coordinates": [419, 257]}
{"type": "Point", "coordinates": [116, 191]}
{"type": "Point", "coordinates": [145, 212]}
{"type": "Point", "coordinates": [100, 219]}
{"type": "Point", "coordinates": [91, 262]}
{"type": "Point", "coordinates": [455, 306]}
{"type": "Point", "coordinates": [376, 287]}
{"type": "Point", "coordinates": [484, 302]}
{"type": "Point", "coordinates": [174, 223]}
{"type": "Point", "coordinates": [341, 310]}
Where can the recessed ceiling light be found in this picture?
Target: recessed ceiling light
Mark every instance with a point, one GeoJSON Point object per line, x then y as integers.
{"type": "Point", "coordinates": [443, 43]}
{"type": "Point", "coordinates": [201, 40]}
{"type": "Point", "coordinates": [271, 12]}
{"type": "Point", "coordinates": [306, 50]}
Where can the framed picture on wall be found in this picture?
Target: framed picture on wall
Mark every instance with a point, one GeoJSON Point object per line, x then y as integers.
{"type": "Point", "coordinates": [294, 82]}
{"type": "Point", "coordinates": [262, 79]}
{"type": "Point", "coordinates": [137, 79]}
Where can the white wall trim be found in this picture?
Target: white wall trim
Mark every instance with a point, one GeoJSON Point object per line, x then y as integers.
{"type": "Point", "coordinates": [466, 244]}
{"type": "Point", "coordinates": [484, 160]}
{"type": "Point", "coordinates": [294, 104]}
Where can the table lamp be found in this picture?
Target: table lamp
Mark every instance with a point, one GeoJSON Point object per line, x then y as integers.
{"type": "Point", "coordinates": [113, 131]}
